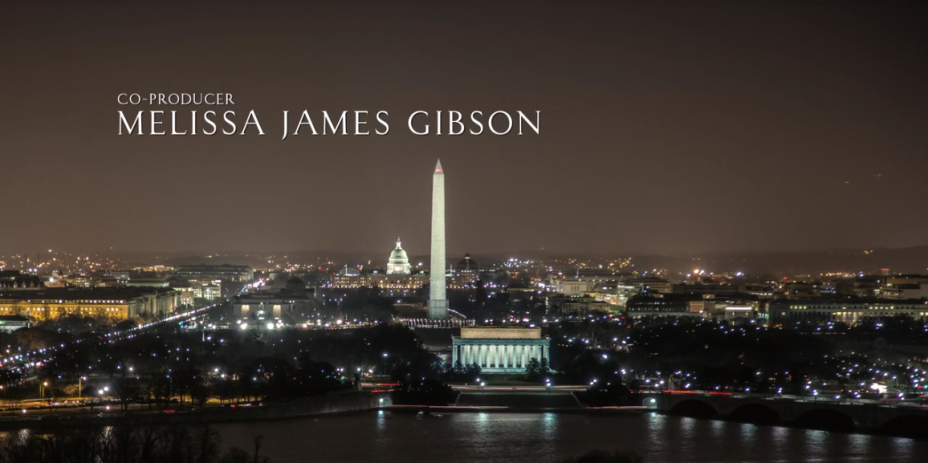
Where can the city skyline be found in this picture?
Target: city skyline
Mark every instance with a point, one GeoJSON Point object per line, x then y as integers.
{"type": "Point", "coordinates": [664, 131]}
{"type": "Point", "coordinates": [497, 232]}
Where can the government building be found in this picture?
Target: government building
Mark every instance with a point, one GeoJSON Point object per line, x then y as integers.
{"type": "Point", "coordinates": [233, 273]}
{"type": "Point", "coordinates": [500, 350]}
{"type": "Point", "coordinates": [112, 303]}
{"type": "Point", "coordinates": [846, 310]}
{"type": "Point", "coordinates": [399, 277]}
{"type": "Point", "coordinates": [398, 263]}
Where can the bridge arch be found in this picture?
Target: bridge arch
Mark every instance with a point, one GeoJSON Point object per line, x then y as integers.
{"type": "Point", "coordinates": [826, 418]}
{"type": "Point", "coordinates": [906, 425]}
{"type": "Point", "coordinates": [695, 408]}
{"type": "Point", "coordinates": [757, 413]}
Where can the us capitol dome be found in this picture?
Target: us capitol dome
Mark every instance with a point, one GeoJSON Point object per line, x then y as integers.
{"type": "Point", "coordinates": [398, 264]}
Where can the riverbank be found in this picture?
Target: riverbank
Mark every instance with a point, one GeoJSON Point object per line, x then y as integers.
{"type": "Point", "coordinates": [268, 410]}
{"type": "Point", "coordinates": [441, 409]}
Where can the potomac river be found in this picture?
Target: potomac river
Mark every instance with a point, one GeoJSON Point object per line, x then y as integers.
{"type": "Point", "coordinates": [487, 437]}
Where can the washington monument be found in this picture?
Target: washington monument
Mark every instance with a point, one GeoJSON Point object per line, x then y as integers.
{"type": "Point", "coordinates": [438, 301]}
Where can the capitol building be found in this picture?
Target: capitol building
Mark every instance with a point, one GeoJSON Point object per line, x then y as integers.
{"type": "Point", "coordinates": [398, 263]}
{"type": "Point", "coordinates": [399, 277]}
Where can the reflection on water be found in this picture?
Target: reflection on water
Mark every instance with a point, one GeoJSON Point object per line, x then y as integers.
{"type": "Point", "coordinates": [18, 435]}
{"type": "Point", "coordinates": [550, 437]}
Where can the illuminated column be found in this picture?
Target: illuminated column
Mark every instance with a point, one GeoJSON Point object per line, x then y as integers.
{"type": "Point", "coordinates": [438, 303]}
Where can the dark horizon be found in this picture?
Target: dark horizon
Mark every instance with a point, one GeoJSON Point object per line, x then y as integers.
{"type": "Point", "coordinates": [900, 261]}
{"type": "Point", "coordinates": [665, 128]}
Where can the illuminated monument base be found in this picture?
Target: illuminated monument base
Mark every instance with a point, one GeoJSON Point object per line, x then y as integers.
{"type": "Point", "coordinates": [438, 309]}
{"type": "Point", "coordinates": [500, 350]}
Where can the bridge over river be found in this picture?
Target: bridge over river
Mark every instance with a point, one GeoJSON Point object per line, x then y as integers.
{"type": "Point", "coordinates": [895, 417]}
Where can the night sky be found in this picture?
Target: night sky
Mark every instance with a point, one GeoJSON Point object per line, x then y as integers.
{"type": "Point", "coordinates": [664, 128]}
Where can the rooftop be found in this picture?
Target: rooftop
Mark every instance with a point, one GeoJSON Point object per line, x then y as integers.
{"type": "Point", "coordinates": [72, 294]}
{"type": "Point", "coordinates": [500, 333]}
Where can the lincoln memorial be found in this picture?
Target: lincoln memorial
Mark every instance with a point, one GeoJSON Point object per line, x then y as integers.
{"type": "Point", "coordinates": [500, 350]}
